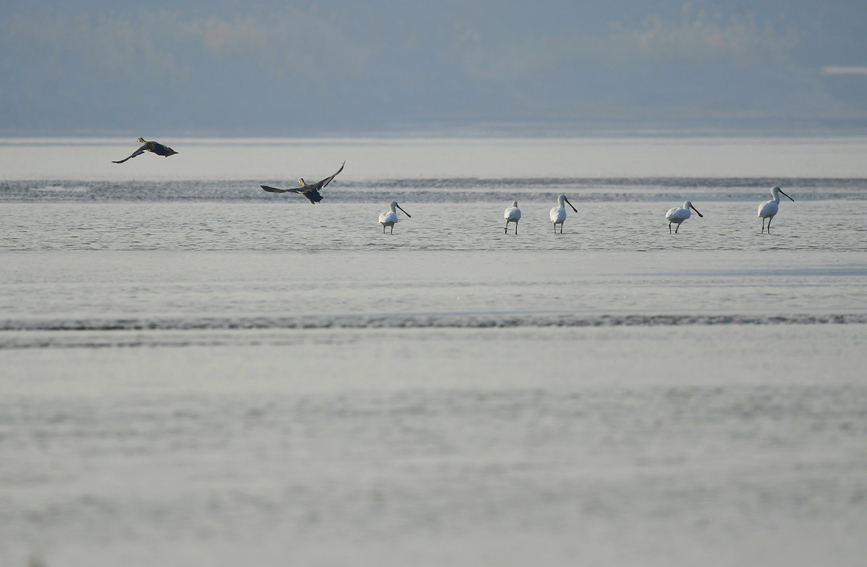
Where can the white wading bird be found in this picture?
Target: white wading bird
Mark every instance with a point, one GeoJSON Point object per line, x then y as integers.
{"type": "Point", "coordinates": [512, 214]}
{"type": "Point", "coordinates": [389, 218]}
{"type": "Point", "coordinates": [679, 214]}
{"type": "Point", "coordinates": [768, 209]}
{"type": "Point", "coordinates": [558, 213]}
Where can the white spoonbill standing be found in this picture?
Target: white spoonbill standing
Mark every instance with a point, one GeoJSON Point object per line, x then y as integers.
{"type": "Point", "coordinates": [677, 215]}
{"type": "Point", "coordinates": [389, 218]}
{"type": "Point", "coordinates": [512, 214]}
{"type": "Point", "coordinates": [768, 209]}
{"type": "Point", "coordinates": [558, 213]}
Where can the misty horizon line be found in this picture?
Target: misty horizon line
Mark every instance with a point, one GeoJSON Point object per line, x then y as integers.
{"type": "Point", "coordinates": [746, 127]}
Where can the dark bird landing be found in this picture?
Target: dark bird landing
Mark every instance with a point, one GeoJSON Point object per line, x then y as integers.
{"type": "Point", "coordinates": [309, 191]}
{"type": "Point", "coordinates": [154, 147]}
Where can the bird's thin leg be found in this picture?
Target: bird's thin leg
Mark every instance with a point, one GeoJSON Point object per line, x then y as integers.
{"type": "Point", "coordinates": [763, 225]}
{"type": "Point", "coordinates": [507, 228]}
{"type": "Point", "coordinates": [676, 229]}
{"type": "Point", "coordinates": [769, 224]}
{"type": "Point", "coordinates": [669, 228]}
{"type": "Point", "coordinates": [392, 229]}
{"type": "Point", "coordinates": [516, 228]}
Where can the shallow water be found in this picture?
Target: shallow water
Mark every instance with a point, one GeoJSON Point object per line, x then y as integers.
{"type": "Point", "coordinates": [200, 291]}
{"type": "Point", "coordinates": [199, 373]}
{"type": "Point", "coordinates": [353, 227]}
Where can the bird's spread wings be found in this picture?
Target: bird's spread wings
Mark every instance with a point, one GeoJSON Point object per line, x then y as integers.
{"type": "Point", "coordinates": [138, 152]}
{"type": "Point", "coordinates": [313, 190]}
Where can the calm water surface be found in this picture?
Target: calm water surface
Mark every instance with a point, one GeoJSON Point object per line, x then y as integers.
{"type": "Point", "coordinates": [195, 372]}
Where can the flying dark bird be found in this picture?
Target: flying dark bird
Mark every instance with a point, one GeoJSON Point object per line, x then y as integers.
{"type": "Point", "coordinates": [309, 191]}
{"type": "Point", "coordinates": [154, 147]}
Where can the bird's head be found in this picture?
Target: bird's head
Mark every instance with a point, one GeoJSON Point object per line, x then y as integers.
{"type": "Point", "coordinates": [141, 140]}
{"type": "Point", "coordinates": [302, 182]}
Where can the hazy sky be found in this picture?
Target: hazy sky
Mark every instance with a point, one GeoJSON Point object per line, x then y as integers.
{"type": "Point", "coordinates": [264, 67]}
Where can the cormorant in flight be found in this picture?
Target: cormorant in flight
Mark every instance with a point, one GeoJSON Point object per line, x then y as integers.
{"type": "Point", "coordinates": [309, 191]}
{"type": "Point", "coordinates": [154, 147]}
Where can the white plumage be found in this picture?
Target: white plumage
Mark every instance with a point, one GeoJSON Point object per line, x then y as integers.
{"type": "Point", "coordinates": [390, 217]}
{"type": "Point", "coordinates": [768, 209]}
{"type": "Point", "coordinates": [558, 213]}
{"type": "Point", "coordinates": [512, 214]}
{"type": "Point", "coordinates": [677, 215]}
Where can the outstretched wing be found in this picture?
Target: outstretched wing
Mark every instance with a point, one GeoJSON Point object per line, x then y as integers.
{"type": "Point", "coordinates": [322, 184]}
{"type": "Point", "coordinates": [138, 152]}
{"type": "Point", "coordinates": [275, 190]}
